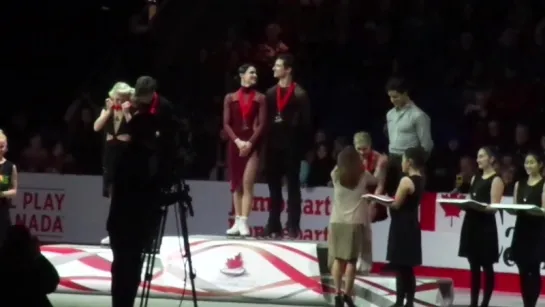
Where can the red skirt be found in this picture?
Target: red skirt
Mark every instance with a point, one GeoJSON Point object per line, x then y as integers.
{"type": "Point", "coordinates": [236, 163]}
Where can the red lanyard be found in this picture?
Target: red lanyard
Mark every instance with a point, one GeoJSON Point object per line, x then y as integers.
{"type": "Point", "coordinates": [245, 106]}
{"type": "Point", "coordinates": [154, 104]}
{"type": "Point", "coordinates": [281, 102]}
{"type": "Point", "coordinates": [369, 162]}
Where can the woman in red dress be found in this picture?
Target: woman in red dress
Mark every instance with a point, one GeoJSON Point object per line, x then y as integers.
{"type": "Point", "coordinates": [370, 158]}
{"type": "Point", "coordinates": [244, 116]}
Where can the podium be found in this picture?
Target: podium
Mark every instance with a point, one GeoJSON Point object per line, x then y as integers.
{"type": "Point", "coordinates": [235, 270]}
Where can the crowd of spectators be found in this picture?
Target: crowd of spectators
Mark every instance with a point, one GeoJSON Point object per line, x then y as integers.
{"type": "Point", "coordinates": [476, 68]}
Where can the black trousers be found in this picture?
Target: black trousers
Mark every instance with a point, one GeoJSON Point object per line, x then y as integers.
{"type": "Point", "coordinates": [280, 163]}
{"type": "Point", "coordinates": [132, 225]}
{"type": "Point", "coordinates": [126, 269]}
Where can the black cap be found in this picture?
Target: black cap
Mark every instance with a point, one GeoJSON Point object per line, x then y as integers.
{"type": "Point", "coordinates": [144, 87]}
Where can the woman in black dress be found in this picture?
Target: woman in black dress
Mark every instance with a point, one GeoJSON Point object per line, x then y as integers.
{"type": "Point", "coordinates": [404, 238]}
{"type": "Point", "coordinates": [113, 120]}
{"type": "Point", "coordinates": [479, 235]}
{"type": "Point", "coordinates": [528, 245]}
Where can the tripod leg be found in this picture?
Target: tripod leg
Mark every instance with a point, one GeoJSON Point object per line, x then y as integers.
{"type": "Point", "coordinates": [150, 255]}
{"type": "Point", "coordinates": [187, 249]}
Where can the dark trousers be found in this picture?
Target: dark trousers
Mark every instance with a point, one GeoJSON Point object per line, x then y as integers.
{"type": "Point", "coordinates": [131, 225]}
{"type": "Point", "coordinates": [394, 174]}
{"type": "Point", "coordinates": [126, 269]}
{"type": "Point", "coordinates": [279, 163]}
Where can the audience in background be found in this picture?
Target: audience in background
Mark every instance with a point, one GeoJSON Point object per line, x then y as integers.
{"type": "Point", "coordinates": [482, 77]}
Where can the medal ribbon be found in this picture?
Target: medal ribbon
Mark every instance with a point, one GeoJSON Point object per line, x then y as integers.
{"type": "Point", "coordinates": [245, 107]}
{"type": "Point", "coordinates": [370, 161]}
{"type": "Point", "coordinates": [281, 102]}
{"type": "Point", "coordinates": [154, 104]}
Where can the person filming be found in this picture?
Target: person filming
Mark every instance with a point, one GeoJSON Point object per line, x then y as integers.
{"type": "Point", "coordinates": [135, 212]}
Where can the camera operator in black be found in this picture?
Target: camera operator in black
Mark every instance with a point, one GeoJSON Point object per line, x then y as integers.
{"type": "Point", "coordinates": [135, 212]}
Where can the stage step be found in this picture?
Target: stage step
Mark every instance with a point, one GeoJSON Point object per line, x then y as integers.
{"type": "Point", "coordinates": [237, 270]}
{"type": "Point", "coordinates": [444, 286]}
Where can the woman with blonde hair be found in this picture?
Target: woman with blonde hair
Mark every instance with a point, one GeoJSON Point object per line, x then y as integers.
{"type": "Point", "coordinates": [8, 187]}
{"type": "Point", "coordinates": [369, 159]}
{"type": "Point", "coordinates": [350, 222]}
{"type": "Point", "coordinates": [113, 120]}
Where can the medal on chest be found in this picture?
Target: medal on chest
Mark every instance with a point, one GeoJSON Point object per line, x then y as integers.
{"type": "Point", "coordinates": [281, 102]}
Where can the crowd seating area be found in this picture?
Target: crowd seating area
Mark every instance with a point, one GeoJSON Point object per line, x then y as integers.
{"type": "Point", "coordinates": [477, 69]}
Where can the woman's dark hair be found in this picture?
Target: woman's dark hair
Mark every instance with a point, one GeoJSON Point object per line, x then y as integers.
{"type": "Point", "coordinates": [492, 153]}
{"type": "Point", "coordinates": [349, 167]}
{"type": "Point", "coordinates": [417, 155]}
{"type": "Point", "coordinates": [535, 155]}
{"type": "Point", "coordinates": [242, 69]}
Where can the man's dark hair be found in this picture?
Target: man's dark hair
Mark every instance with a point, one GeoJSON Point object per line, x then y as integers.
{"type": "Point", "coordinates": [287, 59]}
{"type": "Point", "coordinates": [145, 85]}
{"type": "Point", "coordinates": [397, 84]}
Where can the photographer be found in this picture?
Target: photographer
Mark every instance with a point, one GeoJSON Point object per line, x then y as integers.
{"type": "Point", "coordinates": [135, 210]}
{"type": "Point", "coordinates": [31, 276]}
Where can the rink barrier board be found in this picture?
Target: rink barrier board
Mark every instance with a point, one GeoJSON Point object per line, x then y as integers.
{"type": "Point", "coordinates": [69, 208]}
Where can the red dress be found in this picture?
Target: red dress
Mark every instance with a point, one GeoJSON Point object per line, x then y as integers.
{"type": "Point", "coordinates": [370, 164]}
{"type": "Point", "coordinates": [244, 116]}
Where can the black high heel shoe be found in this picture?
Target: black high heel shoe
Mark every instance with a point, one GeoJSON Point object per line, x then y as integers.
{"type": "Point", "coordinates": [339, 300]}
{"type": "Point", "coordinates": [348, 300]}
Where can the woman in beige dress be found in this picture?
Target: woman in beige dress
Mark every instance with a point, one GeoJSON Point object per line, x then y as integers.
{"type": "Point", "coordinates": [350, 221]}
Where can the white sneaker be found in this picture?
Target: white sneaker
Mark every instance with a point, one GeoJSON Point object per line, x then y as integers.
{"type": "Point", "coordinates": [243, 227]}
{"type": "Point", "coordinates": [234, 230]}
{"type": "Point", "coordinates": [105, 241]}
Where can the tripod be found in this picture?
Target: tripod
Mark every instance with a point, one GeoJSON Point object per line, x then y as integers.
{"type": "Point", "coordinates": [178, 196]}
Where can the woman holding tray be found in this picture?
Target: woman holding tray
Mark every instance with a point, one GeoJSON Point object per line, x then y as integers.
{"type": "Point", "coordinates": [404, 250]}
{"type": "Point", "coordinates": [527, 247]}
{"type": "Point", "coordinates": [479, 235]}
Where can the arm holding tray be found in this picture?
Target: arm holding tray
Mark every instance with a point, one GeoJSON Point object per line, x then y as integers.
{"type": "Point", "coordinates": [520, 208]}
{"type": "Point", "coordinates": [405, 188]}
{"type": "Point", "coordinates": [384, 200]}
{"type": "Point", "coordinates": [464, 203]}
{"type": "Point", "coordinates": [496, 193]}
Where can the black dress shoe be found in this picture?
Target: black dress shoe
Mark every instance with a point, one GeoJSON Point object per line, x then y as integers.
{"type": "Point", "coordinates": [294, 232]}
{"type": "Point", "coordinates": [272, 232]}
